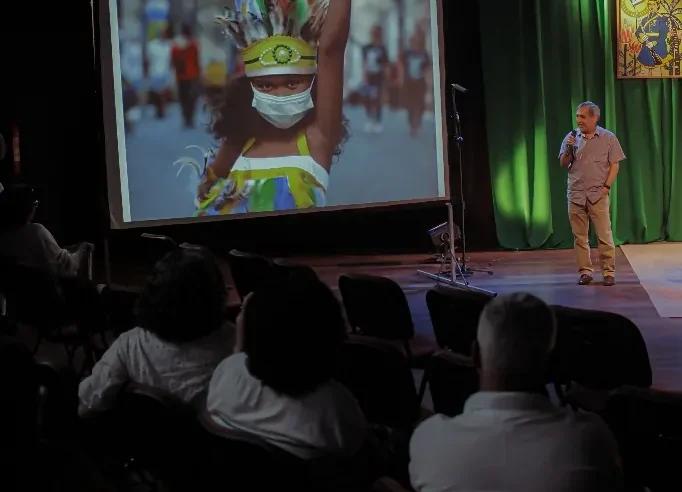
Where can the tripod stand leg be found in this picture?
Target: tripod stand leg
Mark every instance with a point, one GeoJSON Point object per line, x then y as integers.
{"type": "Point", "coordinates": [455, 267]}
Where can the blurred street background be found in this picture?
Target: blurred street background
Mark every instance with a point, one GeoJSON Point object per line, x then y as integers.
{"type": "Point", "coordinates": [380, 163]}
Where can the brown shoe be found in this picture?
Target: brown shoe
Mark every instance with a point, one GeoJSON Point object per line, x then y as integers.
{"type": "Point", "coordinates": [584, 279]}
{"type": "Point", "coordinates": [609, 281]}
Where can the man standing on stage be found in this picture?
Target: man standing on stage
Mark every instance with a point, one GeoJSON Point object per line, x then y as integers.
{"type": "Point", "coordinates": [592, 155]}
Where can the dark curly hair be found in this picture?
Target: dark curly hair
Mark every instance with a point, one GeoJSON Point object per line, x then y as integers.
{"type": "Point", "coordinates": [185, 298]}
{"type": "Point", "coordinates": [234, 119]}
{"type": "Point", "coordinates": [293, 330]}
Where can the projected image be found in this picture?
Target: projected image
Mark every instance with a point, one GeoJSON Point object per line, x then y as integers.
{"type": "Point", "coordinates": [273, 105]}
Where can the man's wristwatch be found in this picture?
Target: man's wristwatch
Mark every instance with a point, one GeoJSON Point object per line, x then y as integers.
{"type": "Point", "coordinates": [607, 186]}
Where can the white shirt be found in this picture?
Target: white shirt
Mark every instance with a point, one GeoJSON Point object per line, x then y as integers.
{"type": "Point", "coordinates": [325, 422]}
{"type": "Point", "coordinates": [32, 245]}
{"type": "Point", "coordinates": [159, 55]}
{"type": "Point", "coordinates": [139, 356]}
{"type": "Point", "coordinates": [514, 442]}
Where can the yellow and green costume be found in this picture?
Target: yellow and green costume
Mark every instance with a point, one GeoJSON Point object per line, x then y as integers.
{"type": "Point", "coordinates": [268, 184]}
{"type": "Point", "coordinates": [275, 37]}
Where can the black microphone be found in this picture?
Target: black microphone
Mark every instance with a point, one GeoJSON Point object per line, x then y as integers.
{"type": "Point", "coordinates": [459, 88]}
{"type": "Point", "coordinates": [574, 133]}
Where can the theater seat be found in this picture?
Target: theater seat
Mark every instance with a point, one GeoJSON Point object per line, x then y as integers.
{"type": "Point", "coordinates": [377, 307]}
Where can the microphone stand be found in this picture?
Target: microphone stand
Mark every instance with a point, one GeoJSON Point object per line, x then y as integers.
{"type": "Point", "coordinates": [457, 269]}
{"type": "Point", "coordinates": [459, 139]}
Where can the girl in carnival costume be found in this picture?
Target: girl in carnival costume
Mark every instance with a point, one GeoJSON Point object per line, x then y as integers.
{"type": "Point", "coordinates": [282, 123]}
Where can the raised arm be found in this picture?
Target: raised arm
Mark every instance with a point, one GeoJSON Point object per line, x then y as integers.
{"type": "Point", "coordinates": [330, 66]}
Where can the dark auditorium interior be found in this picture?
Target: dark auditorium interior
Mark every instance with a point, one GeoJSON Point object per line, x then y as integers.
{"type": "Point", "coordinates": [152, 307]}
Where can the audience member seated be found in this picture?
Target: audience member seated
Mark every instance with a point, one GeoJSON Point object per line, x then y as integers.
{"type": "Point", "coordinates": [510, 437]}
{"type": "Point", "coordinates": [31, 244]}
{"type": "Point", "coordinates": [30, 463]}
{"type": "Point", "coordinates": [278, 385]}
{"type": "Point", "coordinates": [180, 339]}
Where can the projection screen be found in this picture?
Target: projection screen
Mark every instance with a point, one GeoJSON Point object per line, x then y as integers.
{"type": "Point", "coordinates": [274, 118]}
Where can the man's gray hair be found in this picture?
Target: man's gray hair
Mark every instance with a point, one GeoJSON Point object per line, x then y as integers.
{"type": "Point", "coordinates": [516, 334]}
{"type": "Point", "coordinates": [594, 109]}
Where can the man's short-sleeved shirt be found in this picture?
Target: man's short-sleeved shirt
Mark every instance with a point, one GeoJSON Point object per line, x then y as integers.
{"type": "Point", "coordinates": [591, 164]}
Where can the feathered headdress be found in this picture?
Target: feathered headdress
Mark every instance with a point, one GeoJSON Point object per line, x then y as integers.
{"type": "Point", "coordinates": [276, 37]}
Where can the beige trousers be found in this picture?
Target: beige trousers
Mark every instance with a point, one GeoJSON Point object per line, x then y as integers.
{"type": "Point", "coordinates": [579, 217]}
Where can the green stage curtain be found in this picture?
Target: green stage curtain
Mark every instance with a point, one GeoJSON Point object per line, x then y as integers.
{"type": "Point", "coordinates": [542, 58]}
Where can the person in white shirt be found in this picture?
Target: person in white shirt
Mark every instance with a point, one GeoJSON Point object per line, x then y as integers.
{"type": "Point", "coordinates": [160, 73]}
{"type": "Point", "coordinates": [278, 387]}
{"type": "Point", "coordinates": [31, 244]}
{"type": "Point", "coordinates": [180, 340]}
{"type": "Point", "coordinates": [510, 437]}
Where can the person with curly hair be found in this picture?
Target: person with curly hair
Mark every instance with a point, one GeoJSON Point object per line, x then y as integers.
{"type": "Point", "coordinates": [281, 124]}
{"type": "Point", "coordinates": [179, 341]}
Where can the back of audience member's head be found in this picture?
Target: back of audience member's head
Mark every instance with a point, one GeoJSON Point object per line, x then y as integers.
{"type": "Point", "coordinates": [185, 298]}
{"type": "Point", "coordinates": [19, 394]}
{"type": "Point", "coordinates": [291, 331]}
{"type": "Point", "coordinates": [18, 204]}
{"type": "Point", "coordinates": [516, 334]}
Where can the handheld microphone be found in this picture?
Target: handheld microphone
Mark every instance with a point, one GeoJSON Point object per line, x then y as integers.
{"type": "Point", "coordinates": [459, 88]}
{"type": "Point", "coordinates": [574, 133]}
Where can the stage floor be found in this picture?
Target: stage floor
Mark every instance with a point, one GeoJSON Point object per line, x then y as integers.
{"type": "Point", "coordinates": [552, 276]}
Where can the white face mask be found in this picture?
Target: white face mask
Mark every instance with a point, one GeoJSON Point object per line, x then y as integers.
{"type": "Point", "coordinates": [283, 111]}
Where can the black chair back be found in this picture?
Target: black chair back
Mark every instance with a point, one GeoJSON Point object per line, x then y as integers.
{"type": "Point", "coordinates": [248, 271]}
{"type": "Point", "coordinates": [648, 428]}
{"type": "Point", "coordinates": [34, 297]}
{"type": "Point", "coordinates": [376, 307]}
{"type": "Point", "coordinates": [454, 315]}
{"type": "Point", "coordinates": [321, 474]}
{"type": "Point", "coordinates": [452, 379]}
{"type": "Point", "coordinates": [154, 432]}
{"type": "Point", "coordinates": [284, 269]}
{"type": "Point", "coordinates": [599, 350]}
{"type": "Point", "coordinates": [156, 246]}
{"type": "Point", "coordinates": [59, 402]}
{"type": "Point", "coordinates": [276, 470]}
{"type": "Point", "coordinates": [379, 376]}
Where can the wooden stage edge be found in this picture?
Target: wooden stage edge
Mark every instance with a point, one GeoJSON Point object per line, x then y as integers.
{"type": "Point", "coordinates": [551, 275]}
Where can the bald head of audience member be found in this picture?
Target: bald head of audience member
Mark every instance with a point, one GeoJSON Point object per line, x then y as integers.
{"type": "Point", "coordinates": [516, 335]}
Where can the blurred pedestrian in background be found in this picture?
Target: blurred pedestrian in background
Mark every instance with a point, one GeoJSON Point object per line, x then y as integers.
{"type": "Point", "coordinates": [185, 60]}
